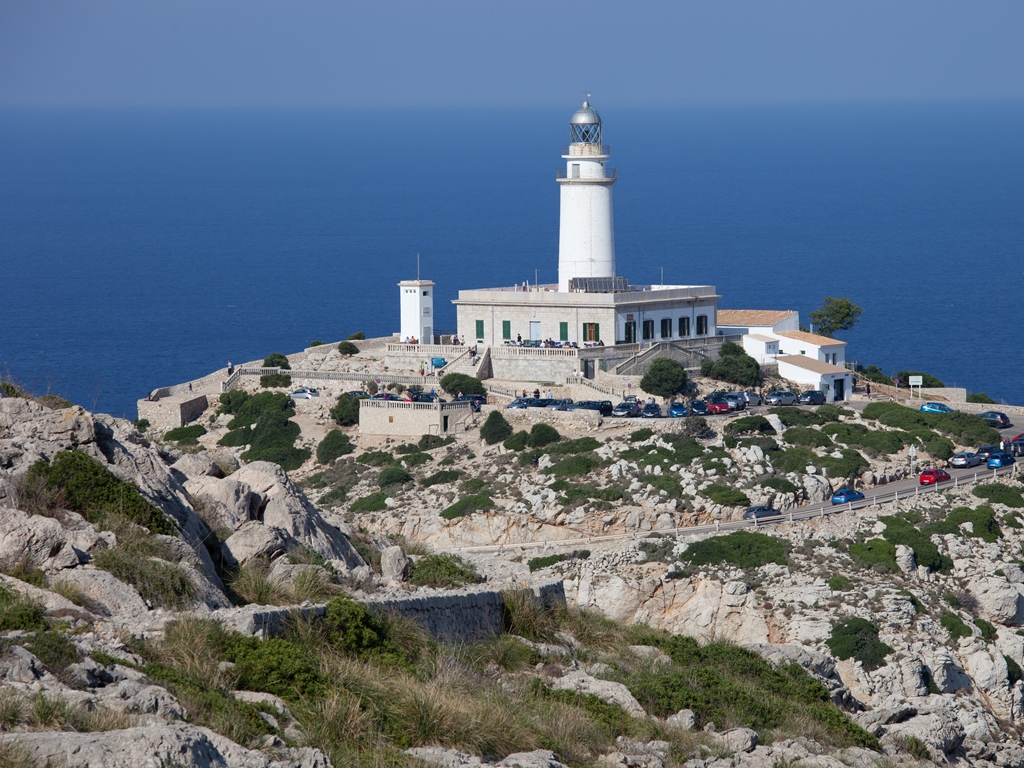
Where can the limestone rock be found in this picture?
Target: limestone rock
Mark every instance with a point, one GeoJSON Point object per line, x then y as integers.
{"type": "Point", "coordinates": [116, 597]}
{"type": "Point", "coordinates": [1000, 601]}
{"type": "Point", "coordinates": [196, 465]}
{"type": "Point", "coordinates": [905, 559]}
{"type": "Point", "coordinates": [444, 758]}
{"type": "Point", "coordinates": [684, 719]}
{"type": "Point", "coordinates": [37, 539]}
{"type": "Point", "coordinates": [225, 503]}
{"type": "Point", "coordinates": [394, 564]}
{"type": "Point", "coordinates": [252, 540]}
{"type": "Point", "coordinates": [940, 731]}
{"type": "Point", "coordinates": [539, 758]}
{"type": "Point", "coordinates": [612, 693]}
{"type": "Point", "coordinates": [739, 739]}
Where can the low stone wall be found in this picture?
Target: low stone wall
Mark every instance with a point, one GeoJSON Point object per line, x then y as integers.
{"type": "Point", "coordinates": [527, 417]}
{"type": "Point", "coordinates": [172, 412]}
{"type": "Point", "coordinates": [954, 395]}
{"type": "Point", "coordinates": [385, 417]}
{"type": "Point", "coordinates": [539, 369]}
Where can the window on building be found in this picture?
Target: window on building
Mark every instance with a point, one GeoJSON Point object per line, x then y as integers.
{"type": "Point", "coordinates": [426, 311]}
{"type": "Point", "coordinates": [426, 293]}
{"type": "Point", "coordinates": [591, 332]}
{"type": "Point", "coordinates": [563, 331]}
{"type": "Point", "coordinates": [666, 328]}
{"type": "Point", "coordinates": [684, 327]}
{"type": "Point", "coordinates": [702, 325]}
{"type": "Point", "coordinates": [506, 329]}
{"type": "Point", "coordinates": [480, 330]}
{"type": "Point", "coordinates": [575, 170]}
{"type": "Point", "coordinates": [648, 330]}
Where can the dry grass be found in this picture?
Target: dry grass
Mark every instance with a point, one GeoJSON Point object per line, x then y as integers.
{"type": "Point", "coordinates": [312, 584]}
{"type": "Point", "coordinates": [253, 585]}
{"type": "Point", "coordinates": [13, 709]}
{"type": "Point", "coordinates": [190, 645]}
{"type": "Point", "coordinates": [13, 755]}
{"type": "Point", "coordinates": [591, 629]}
{"type": "Point", "coordinates": [527, 616]}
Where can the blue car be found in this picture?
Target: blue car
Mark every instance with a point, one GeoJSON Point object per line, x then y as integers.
{"type": "Point", "coordinates": [936, 408]}
{"type": "Point", "coordinates": [846, 495]}
{"type": "Point", "coordinates": [997, 460]}
{"type": "Point", "coordinates": [677, 410]}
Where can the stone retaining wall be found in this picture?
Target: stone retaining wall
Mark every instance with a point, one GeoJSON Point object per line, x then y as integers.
{"type": "Point", "coordinates": [172, 412]}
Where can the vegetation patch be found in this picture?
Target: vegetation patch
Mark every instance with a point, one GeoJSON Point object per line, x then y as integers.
{"type": "Point", "coordinates": [797, 417]}
{"type": "Point", "coordinates": [639, 435]}
{"type": "Point", "coordinates": [456, 383]}
{"type": "Point", "coordinates": [346, 411]}
{"type": "Point", "coordinates": [495, 428]}
{"type": "Point", "coordinates": [781, 484]}
{"type": "Point", "coordinates": [393, 475]}
{"type": "Point", "coordinates": [56, 651]}
{"type": "Point", "coordinates": [347, 349]}
{"type": "Point", "coordinates": [377, 458]}
{"type": "Point", "coordinates": [518, 441]}
{"type": "Point", "coordinates": [858, 638]}
{"type": "Point", "coordinates": [982, 520]}
{"type": "Point", "coordinates": [744, 549]}
{"type": "Point", "coordinates": [19, 613]}
{"type": "Point", "coordinates": [250, 409]}
{"type": "Point", "coordinates": [955, 626]}
{"type": "Point", "coordinates": [276, 360]}
{"type": "Point", "coordinates": [730, 497]}
{"type": "Point", "coordinates": [467, 505]}
{"type": "Point", "coordinates": [999, 493]}
{"type": "Point", "coordinates": [430, 442]}
{"type": "Point", "coordinates": [756, 425]}
{"type": "Point", "coordinates": [536, 563]}
{"type": "Point", "coordinates": [965, 428]}
{"type": "Point", "coordinates": [900, 531]}
{"type": "Point", "coordinates": [573, 466]}
{"type": "Point", "coordinates": [664, 378]}
{"type": "Point", "coordinates": [734, 365]}
{"type": "Point", "coordinates": [442, 571]}
{"type": "Point", "coordinates": [444, 476]}
{"type": "Point", "coordinates": [807, 436]}
{"type": "Point", "coordinates": [273, 439]}
{"type": "Point", "coordinates": [160, 583]}
{"type": "Point", "coordinates": [334, 445]}
{"type": "Point", "coordinates": [875, 552]}
{"type": "Point", "coordinates": [372, 503]}
{"type": "Point", "coordinates": [186, 435]}
{"type": "Point", "coordinates": [271, 380]}
{"type": "Point", "coordinates": [579, 445]}
{"type": "Point", "coordinates": [839, 583]}
{"type": "Point", "coordinates": [987, 630]}
{"type": "Point", "coordinates": [542, 434]}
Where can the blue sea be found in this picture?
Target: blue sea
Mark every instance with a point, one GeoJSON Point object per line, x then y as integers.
{"type": "Point", "coordinates": [140, 248]}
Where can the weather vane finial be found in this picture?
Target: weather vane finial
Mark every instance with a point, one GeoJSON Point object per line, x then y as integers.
{"type": "Point", "coordinates": [586, 96]}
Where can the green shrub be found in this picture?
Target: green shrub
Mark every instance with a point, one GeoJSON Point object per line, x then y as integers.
{"type": "Point", "coordinates": [406, 448]}
{"type": "Point", "coordinates": [964, 428]}
{"type": "Point", "coordinates": [444, 476]}
{"type": "Point", "coordinates": [927, 380]}
{"type": "Point", "coordinates": [918, 605]}
{"type": "Point", "coordinates": [744, 549]}
{"type": "Point", "coordinates": [141, 424]}
{"type": "Point", "coordinates": [839, 583]}
{"type": "Point", "coordinates": [536, 563]}
{"type": "Point", "coordinates": [275, 666]}
{"type": "Point", "coordinates": [372, 503]}
{"type": "Point", "coordinates": [1013, 671]}
{"type": "Point", "coordinates": [334, 444]}
{"type": "Point", "coordinates": [347, 348]}
{"type": "Point", "coordinates": [93, 491]}
{"type": "Point", "coordinates": [806, 436]}
{"type": "Point", "coordinates": [416, 459]}
{"type": "Point", "coordinates": [664, 378]}
{"type": "Point", "coordinates": [1012, 521]}
{"type": "Point", "coordinates": [186, 435]}
{"type": "Point", "coordinates": [980, 397]}
{"type": "Point", "coordinates": [236, 438]}
{"type": "Point", "coordinates": [999, 493]}
{"type": "Point", "coordinates": [735, 368]}
{"type": "Point", "coordinates": [273, 439]}
{"type": "Point", "coordinates": [276, 360]}
{"type": "Point", "coordinates": [346, 411]}
{"type": "Point", "coordinates": [271, 380]}
{"type": "Point", "coordinates": [579, 445]}
{"type": "Point", "coordinates": [376, 458]}
{"type": "Point", "coordinates": [454, 383]}
{"type": "Point", "coordinates": [250, 411]}
{"type": "Point", "coordinates": [518, 441]}
{"type": "Point", "coordinates": [19, 613]}
{"type": "Point", "coordinates": [541, 435]}
{"type": "Point", "coordinates": [900, 531]}
{"type": "Point", "coordinates": [495, 428]}
{"type": "Point", "coordinates": [730, 497]}
{"type": "Point", "coordinates": [393, 475]}
{"type": "Point", "coordinates": [639, 435]}
{"type": "Point", "coordinates": [780, 484]}
{"type": "Point", "coordinates": [875, 552]}
{"type": "Point", "coordinates": [832, 412]}
{"type": "Point", "coordinates": [55, 650]}
{"type": "Point", "coordinates": [572, 466]}
{"type": "Point", "coordinates": [352, 628]}
{"type": "Point", "coordinates": [162, 584]}
{"type": "Point", "coordinates": [357, 336]}
{"type": "Point", "coordinates": [987, 630]}
{"type": "Point", "coordinates": [750, 425]}
{"type": "Point", "coordinates": [232, 400]}
{"type": "Point", "coordinates": [474, 485]}
{"type": "Point", "coordinates": [982, 520]}
{"type": "Point", "coordinates": [858, 638]}
{"type": "Point", "coordinates": [795, 417]}
{"type": "Point", "coordinates": [430, 442]}
{"type": "Point", "coordinates": [955, 626]}
{"type": "Point", "coordinates": [467, 505]}
{"type": "Point", "coordinates": [442, 571]}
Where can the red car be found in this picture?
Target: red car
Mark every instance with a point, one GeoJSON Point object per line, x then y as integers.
{"type": "Point", "coordinates": [720, 407]}
{"type": "Point", "coordinates": [933, 476]}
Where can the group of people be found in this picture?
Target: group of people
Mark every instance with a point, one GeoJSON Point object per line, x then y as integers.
{"type": "Point", "coordinates": [410, 340]}
{"type": "Point", "coordinates": [537, 394]}
{"type": "Point", "coordinates": [551, 343]}
{"type": "Point", "coordinates": [458, 341]}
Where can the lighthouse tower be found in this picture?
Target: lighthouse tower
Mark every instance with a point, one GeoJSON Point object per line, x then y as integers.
{"type": "Point", "coordinates": [586, 239]}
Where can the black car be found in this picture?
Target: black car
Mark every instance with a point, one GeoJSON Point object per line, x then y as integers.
{"type": "Point", "coordinates": [628, 408]}
{"type": "Point", "coordinates": [603, 406]}
{"type": "Point", "coordinates": [699, 408]}
{"type": "Point", "coordinates": [995, 419]}
{"type": "Point", "coordinates": [477, 400]}
{"type": "Point", "coordinates": [811, 397]}
{"type": "Point", "coordinates": [756, 513]}
{"type": "Point", "coordinates": [426, 397]}
{"type": "Point", "coordinates": [651, 411]}
{"type": "Point", "coordinates": [986, 451]}
{"type": "Point", "coordinates": [541, 402]}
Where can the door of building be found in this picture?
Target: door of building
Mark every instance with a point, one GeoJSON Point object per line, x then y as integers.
{"type": "Point", "coordinates": [840, 388]}
{"type": "Point", "coordinates": [535, 330]}
{"type": "Point", "coordinates": [428, 335]}
{"type": "Point", "coordinates": [631, 332]}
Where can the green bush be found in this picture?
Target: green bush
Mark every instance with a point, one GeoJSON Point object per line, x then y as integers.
{"type": "Point", "coordinates": [982, 520]}
{"type": "Point", "coordinates": [454, 383]}
{"type": "Point", "coordinates": [276, 360]}
{"type": "Point", "coordinates": [186, 435]}
{"type": "Point", "coordinates": [518, 441]}
{"type": "Point", "coordinates": [639, 435]}
{"type": "Point", "coordinates": [664, 378]}
{"type": "Point", "coordinates": [987, 630]}
{"type": "Point", "coordinates": [999, 493]}
{"type": "Point", "coordinates": [275, 666]}
{"type": "Point", "coordinates": [17, 613]}
{"type": "Point", "coordinates": [376, 458]}
{"type": "Point", "coordinates": [232, 400]}
{"type": "Point", "coordinates": [393, 475]}
{"type": "Point", "coordinates": [750, 425]}
{"type": "Point", "coordinates": [93, 491]}
{"type": "Point", "coordinates": [271, 380]}
{"type": "Point", "coordinates": [738, 368]}
{"type": "Point", "coordinates": [236, 438]}
{"type": "Point", "coordinates": [495, 428]}
{"type": "Point", "coordinates": [273, 439]}
{"type": "Point", "coordinates": [781, 484]}
{"type": "Point", "coordinates": [334, 444]}
{"type": "Point", "coordinates": [56, 651]}
{"type": "Point", "coordinates": [162, 584]}
{"type": "Point", "coordinates": [467, 505]}
{"type": "Point", "coordinates": [357, 336]}
{"type": "Point", "coordinates": [807, 436]}
{"type": "Point", "coordinates": [730, 497]}
{"type": "Point", "coordinates": [141, 424]}
{"type": "Point", "coordinates": [1012, 521]}
{"type": "Point", "coordinates": [955, 626]}
{"type": "Point", "coordinates": [444, 476]}
{"type": "Point", "coordinates": [415, 459]}
{"type": "Point", "coordinates": [858, 638]}
{"type": "Point", "coordinates": [442, 571]}
{"type": "Point", "coordinates": [899, 531]}
{"type": "Point", "coordinates": [346, 411]}
{"type": "Point", "coordinates": [572, 466]}
{"type": "Point", "coordinates": [347, 348]}
{"type": "Point", "coordinates": [744, 549]}
{"type": "Point", "coordinates": [474, 485]}
{"type": "Point", "coordinates": [796, 417]}
{"type": "Point", "coordinates": [541, 435]}
{"type": "Point", "coordinates": [579, 445]}
{"type": "Point", "coordinates": [927, 380]}
{"type": "Point", "coordinates": [964, 428]}
{"type": "Point", "coordinates": [430, 442]}
{"type": "Point", "coordinates": [980, 397]}
{"type": "Point", "coordinates": [1013, 671]}
{"type": "Point", "coordinates": [839, 583]}
{"type": "Point", "coordinates": [875, 552]}
{"type": "Point", "coordinates": [250, 411]}
{"type": "Point", "coordinates": [831, 412]}
{"type": "Point", "coordinates": [372, 503]}
{"type": "Point", "coordinates": [537, 563]}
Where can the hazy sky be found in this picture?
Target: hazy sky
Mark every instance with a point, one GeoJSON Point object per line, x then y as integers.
{"type": "Point", "coordinates": [520, 53]}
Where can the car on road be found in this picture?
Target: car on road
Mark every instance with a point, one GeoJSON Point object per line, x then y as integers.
{"type": "Point", "coordinates": [604, 407]}
{"type": "Point", "coordinates": [986, 451]}
{"type": "Point", "coordinates": [1016, 447]}
{"type": "Point", "coordinates": [677, 409]}
{"type": "Point", "coordinates": [737, 400]}
{"type": "Point", "coordinates": [965, 459]}
{"type": "Point", "coordinates": [477, 400]}
{"type": "Point", "coordinates": [717, 405]}
{"type": "Point", "coordinates": [756, 513]}
{"type": "Point", "coordinates": [651, 411]}
{"type": "Point", "coordinates": [752, 398]}
{"type": "Point", "coordinates": [426, 397]}
{"type": "Point", "coordinates": [997, 460]}
{"type": "Point", "coordinates": [699, 408]}
{"type": "Point", "coordinates": [520, 403]}
{"type": "Point", "coordinates": [386, 396]}
{"type": "Point", "coordinates": [936, 408]}
{"type": "Point", "coordinates": [304, 393]}
{"type": "Point", "coordinates": [358, 394]}
{"type": "Point", "coordinates": [995, 419]}
{"type": "Point", "coordinates": [559, 404]}
{"type": "Point", "coordinates": [933, 476]}
{"type": "Point", "coordinates": [846, 495]}
{"type": "Point", "coordinates": [811, 397]}
{"type": "Point", "coordinates": [628, 409]}
{"type": "Point", "coordinates": [780, 398]}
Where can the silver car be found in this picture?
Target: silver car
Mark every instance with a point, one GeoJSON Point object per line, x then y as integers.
{"type": "Point", "coordinates": [304, 393]}
{"type": "Point", "coordinates": [965, 459]}
{"type": "Point", "coordinates": [780, 398]}
{"type": "Point", "coordinates": [752, 398]}
{"type": "Point", "coordinates": [737, 400]}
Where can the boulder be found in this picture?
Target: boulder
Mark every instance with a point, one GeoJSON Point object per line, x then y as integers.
{"type": "Point", "coordinates": [41, 541]}
{"type": "Point", "coordinates": [137, 698]}
{"type": "Point", "coordinates": [609, 692]}
{"type": "Point", "coordinates": [538, 758]}
{"type": "Point", "coordinates": [104, 589]}
{"type": "Point", "coordinates": [684, 720]}
{"type": "Point", "coordinates": [223, 503]}
{"type": "Point", "coordinates": [999, 600]}
{"type": "Point", "coordinates": [394, 564]}
{"type": "Point", "coordinates": [252, 540]}
{"type": "Point", "coordinates": [444, 758]}
{"type": "Point", "coordinates": [196, 465]}
{"type": "Point", "coordinates": [941, 731]}
{"type": "Point", "coordinates": [738, 739]}
{"type": "Point", "coordinates": [905, 559]}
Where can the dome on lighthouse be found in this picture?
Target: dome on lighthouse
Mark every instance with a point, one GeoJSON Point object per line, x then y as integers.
{"type": "Point", "coordinates": [585, 115]}
{"type": "Point", "coordinates": [585, 125]}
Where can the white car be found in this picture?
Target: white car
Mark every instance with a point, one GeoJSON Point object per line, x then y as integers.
{"type": "Point", "coordinates": [304, 393]}
{"type": "Point", "coordinates": [965, 459]}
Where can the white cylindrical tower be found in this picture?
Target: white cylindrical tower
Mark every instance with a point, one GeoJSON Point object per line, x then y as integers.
{"type": "Point", "coordinates": [586, 238]}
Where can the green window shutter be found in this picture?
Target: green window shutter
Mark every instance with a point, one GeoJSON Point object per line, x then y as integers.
{"type": "Point", "coordinates": [506, 329]}
{"type": "Point", "coordinates": [563, 331]}
{"type": "Point", "coordinates": [480, 329]}
{"type": "Point", "coordinates": [597, 332]}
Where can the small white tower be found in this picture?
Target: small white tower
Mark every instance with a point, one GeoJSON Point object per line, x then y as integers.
{"type": "Point", "coordinates": [417, 303]}
{"type": "Point", "coordinates": [586, 239]}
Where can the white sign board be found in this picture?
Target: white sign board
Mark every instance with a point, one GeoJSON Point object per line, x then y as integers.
{"type": "Point", "coordinates": [916, 381]}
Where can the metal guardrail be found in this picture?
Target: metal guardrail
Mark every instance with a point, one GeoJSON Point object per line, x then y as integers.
{"type": "Point", "coordinates": [819, 509]}
{"type": "Point", "coordinates": [610, 174]}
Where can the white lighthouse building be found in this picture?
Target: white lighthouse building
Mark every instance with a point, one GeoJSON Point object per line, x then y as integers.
{"type": "Point", "coordinates": [586, 239]}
